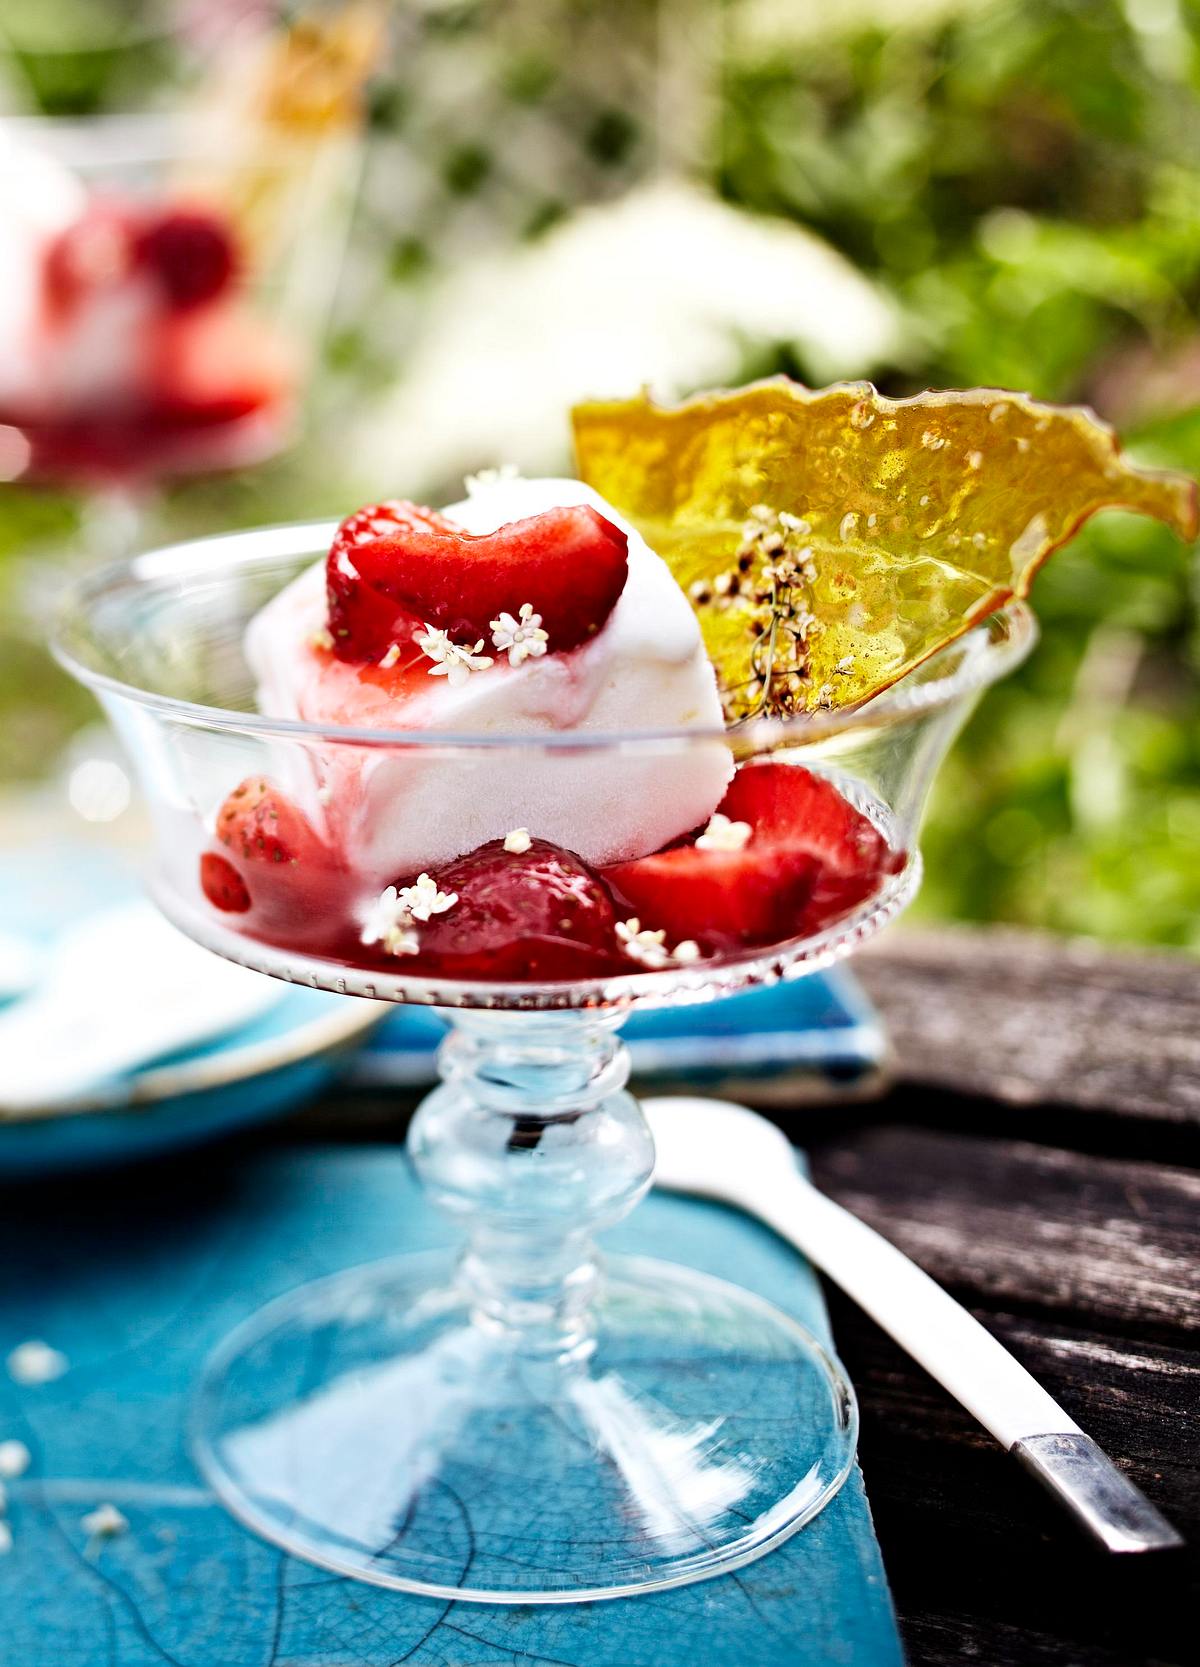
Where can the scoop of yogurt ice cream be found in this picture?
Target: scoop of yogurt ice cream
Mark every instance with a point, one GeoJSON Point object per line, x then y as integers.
{"type": "Point", "coordinates": [393, 813]}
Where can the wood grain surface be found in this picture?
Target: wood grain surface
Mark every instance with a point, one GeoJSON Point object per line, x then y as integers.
{"type": "Point", "coordinates": [1021, 1017]}
{"type": "Point", "coordinates": [1038, 1153]}
{"type": "Point", "coordinates": [1028, 1071]}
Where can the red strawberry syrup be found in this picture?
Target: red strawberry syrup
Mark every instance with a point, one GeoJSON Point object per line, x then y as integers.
{"type": "Point", "coordinates": [541, 915]}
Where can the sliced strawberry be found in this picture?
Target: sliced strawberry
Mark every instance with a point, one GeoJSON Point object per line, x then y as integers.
{"type": "Point", "coordinates": [290, 875]}
{"type": "Point", "coordinates": [190, 253]}
{"type": "Point", "coordinates": [569, 563]}
{"type": "Point", "coordinates": [223, 885]}
{"type": "Point", "coordinates": [363, 621]}
{"type": "Point", "coordinates": [538, 914]}
{"type": "Point", "coordinates": [810, 858]}
{"type": "Point", "coordinates": [791, 808]}
{"type": "Point", "coordinates": [720, 899]}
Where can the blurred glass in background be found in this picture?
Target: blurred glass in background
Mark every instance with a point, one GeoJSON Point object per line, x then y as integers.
{"type": "Point", "coordinates": [573, 197]}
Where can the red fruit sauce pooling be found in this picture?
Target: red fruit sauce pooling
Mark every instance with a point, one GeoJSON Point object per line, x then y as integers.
{"type": "Point", "coordinates": [543, 915]}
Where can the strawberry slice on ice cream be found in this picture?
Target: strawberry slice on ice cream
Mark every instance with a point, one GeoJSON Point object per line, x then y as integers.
{"type": "Point", "coordinates": [569, 564]}
{"type": "Point", "coordinates": [364, 621]}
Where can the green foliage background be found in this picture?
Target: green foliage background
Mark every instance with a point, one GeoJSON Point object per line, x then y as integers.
{"type": "Point", "coordinates": [1023, 177]}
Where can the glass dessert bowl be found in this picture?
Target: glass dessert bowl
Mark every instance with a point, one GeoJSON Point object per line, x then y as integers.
{"type": "Point", "coordinates": [480, 759]}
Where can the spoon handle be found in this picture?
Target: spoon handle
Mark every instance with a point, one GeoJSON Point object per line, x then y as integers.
{"type": "Point", "coordinates": [964, 1357]}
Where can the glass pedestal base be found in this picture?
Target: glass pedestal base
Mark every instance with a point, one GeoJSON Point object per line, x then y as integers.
{"type": "Point", "coordinates": [382, 1425]}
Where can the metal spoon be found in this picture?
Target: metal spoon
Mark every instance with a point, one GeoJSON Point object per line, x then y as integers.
{"type": "Point", "coordinates": [720, 1150]}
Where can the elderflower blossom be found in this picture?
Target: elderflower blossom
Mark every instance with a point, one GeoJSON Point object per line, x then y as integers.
{"type": "Point", "coordinates": [723, 835]}
{"type": "Point", "coordinates": [483, 478]}
{"type": "Point", "coordinates": [650, 948]}
{"type": "Point", "coordinates": [423, 898]}
{"type": "Point", "coordinates": [390, 924]}
{"type": "Point", "coordinates": [640, 944]}
{"type": "Point", "coordinates": [521, 638]}
{"type": "Point", "coordinates": [452, 661]}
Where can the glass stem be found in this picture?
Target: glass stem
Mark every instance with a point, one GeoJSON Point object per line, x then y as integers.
{"type": "Point", "coordinates": [533, 1145]}
{"type": "Point", "coordinates": [115, 522]}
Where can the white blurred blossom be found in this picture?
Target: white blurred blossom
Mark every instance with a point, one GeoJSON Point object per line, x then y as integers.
{"type": "Point", "coordinates": [667, 287]}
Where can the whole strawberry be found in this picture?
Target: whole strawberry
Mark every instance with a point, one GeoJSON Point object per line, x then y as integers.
{"type": "Point", "coordinates": [190, 253]}
{"type": "Point", "coordinates": [538, 914]}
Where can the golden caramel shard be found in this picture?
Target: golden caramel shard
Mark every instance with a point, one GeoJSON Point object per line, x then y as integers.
{"type": "Point", "coordinates": [832, 539]}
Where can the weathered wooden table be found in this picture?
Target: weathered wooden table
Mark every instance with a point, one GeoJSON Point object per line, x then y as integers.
{"type": "Point", "coordinates": [1038, 1153]}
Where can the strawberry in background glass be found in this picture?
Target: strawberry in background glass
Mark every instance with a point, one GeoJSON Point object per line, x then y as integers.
{"type": "Point", "coordinates": [134, 354]}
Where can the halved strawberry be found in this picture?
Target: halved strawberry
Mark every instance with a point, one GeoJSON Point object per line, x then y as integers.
{"type": "Point", "coordinates": [289, 874]}
{"type": "Point", "coordinates": [720, 899]}
{"type": "Point", "coordinates": [223, 885]}
{"type": "Point", "coordinates": [537, 914]}
{"type": "Point", "coordinates": [809, 858]}
{"type": "Point", "coordinates": [259, 824]}
{"type": "Point", "coordinates": [363, 621]}
{"type": "Point", "coordinates": [791, 809]}
{"type": "Point", "coordinates": [569, 563]}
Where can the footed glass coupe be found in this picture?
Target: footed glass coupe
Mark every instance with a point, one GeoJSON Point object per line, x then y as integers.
{"type": "Point", "coordinates": [527, 1421]}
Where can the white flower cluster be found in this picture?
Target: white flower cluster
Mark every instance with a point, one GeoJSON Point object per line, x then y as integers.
{"type": "Point", "coordinates": [484, 478]}
{"type": "Point", "coordinates": [723, 835]}
{"type": "Point", "coordinates": [519, 635]}
{"type": "Point", "coordinates": [392, 919]}
{"type": "Point", "coordinates": [451, 660]}
{"type": "Point", "coordinates": [521, 638]}
{"type": "Point", "coordinates": [650, 948]}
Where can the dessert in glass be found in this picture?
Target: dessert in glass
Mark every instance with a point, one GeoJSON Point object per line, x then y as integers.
{"type": "Point", "coordinates": [133, 349]}
{"type": "Point", "coordinates": [167, 277]}
{"type": "Point", "coordinates": [559, 750]}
